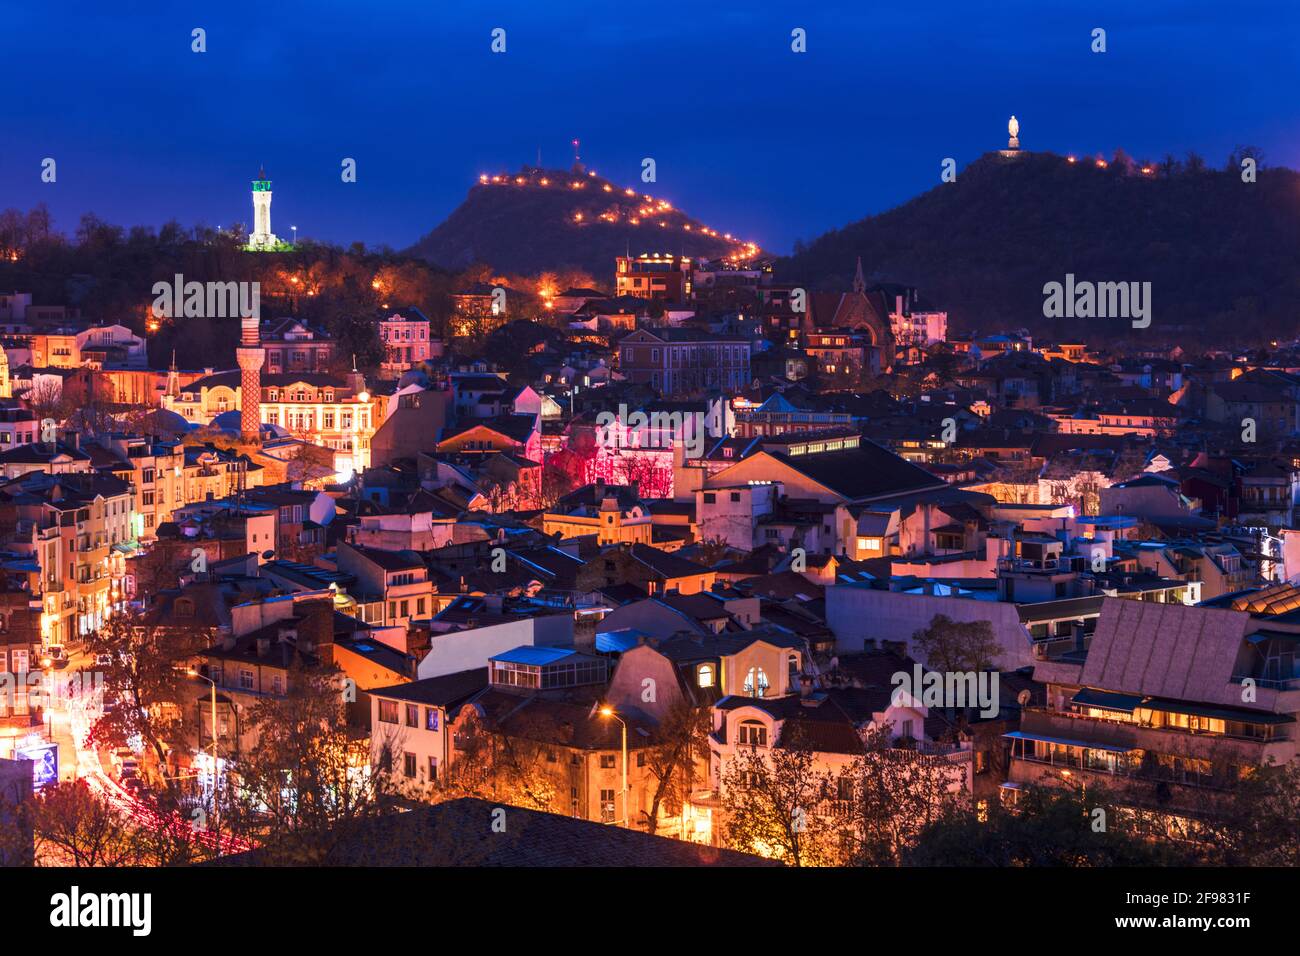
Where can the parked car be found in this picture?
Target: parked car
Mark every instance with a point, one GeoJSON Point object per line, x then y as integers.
{"type": "Point", "coordinates": [55, 656]}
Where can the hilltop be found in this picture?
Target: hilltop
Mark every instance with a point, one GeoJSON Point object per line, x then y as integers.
{"type": "Point", "coordinates": [536, 219]}
{"type": "Point", "coordinates": [1220, 253]}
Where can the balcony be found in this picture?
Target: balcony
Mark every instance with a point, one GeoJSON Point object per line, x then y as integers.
{"type": "Point", "coordinates": [1105, 732]}
{"type": "Point", "coordinates": [1060, 565]}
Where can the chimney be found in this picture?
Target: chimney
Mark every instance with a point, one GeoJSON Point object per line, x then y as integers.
{"type": "Point", "coordinates": [805, 685]}
{"type": "Point", "coordinates": [316, 630]}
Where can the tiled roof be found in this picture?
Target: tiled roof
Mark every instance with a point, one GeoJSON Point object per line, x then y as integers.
{"type": "Point", "coordinates": [462, 833]}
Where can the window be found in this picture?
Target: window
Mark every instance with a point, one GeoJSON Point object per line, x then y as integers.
{"type": "Point", "coordinates": [753, 733]}
{"type": "Point", "coordinates": [245, 680]}
{"type": "Point", "coordinates": [433, 769]}
{"type": "Point", "coordinates": [704, 675]}
{"type": "Point", "coordinates": [277, 684]}
{"type": "Point", "coordinates": [388, 711]}
{"type": "Point", "coordinates": [756, 683]}
{"type": "Point", "coordinates": [607, 761]}
{"type": "Point", "coordinates": [412, 715]}
{"type": "Point", "coordinates": [607, 806]}
{"type": "Point", "coordinates": [430, 718]}
{"type": "Point", "coordinates": [408, 764]}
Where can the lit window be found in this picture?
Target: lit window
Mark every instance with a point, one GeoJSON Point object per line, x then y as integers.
{"type": "Point", "coordinates": [705, 675]}
{"type": "Point", "coordinates": [756, 683]}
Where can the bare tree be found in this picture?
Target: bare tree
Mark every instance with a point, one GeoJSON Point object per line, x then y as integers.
{"type": "Point", "coordinates": [75, 827]}
{"type": "Point", "coordinates": [773, 804]}
{"type": "Point", "coordinates": [46, 400]}
{"type": "Point", "coordinates": [678, 742]}
{"type": "Point", "coordinates": [956, 646]}
{"type": "Point", "coordinates": [895, 794]}
{"type": "Point", "coordinates": [304, 787]}
{"type": "Point", "coordinates": [145, 679]}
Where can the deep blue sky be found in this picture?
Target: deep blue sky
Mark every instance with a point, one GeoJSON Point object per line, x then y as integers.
{"type": "Point", "coordinates": [747, 135]}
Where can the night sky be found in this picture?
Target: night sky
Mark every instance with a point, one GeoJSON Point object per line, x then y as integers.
{"type": "Point", "coordinates": [747, 135]}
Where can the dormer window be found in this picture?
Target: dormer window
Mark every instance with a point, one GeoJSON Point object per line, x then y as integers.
{"type": "Point", "coordinates": [756, 683]}
{"type": "Point", "coordinates": [752, 734]}
{"type": "Point", "coordinates": [704, 676]}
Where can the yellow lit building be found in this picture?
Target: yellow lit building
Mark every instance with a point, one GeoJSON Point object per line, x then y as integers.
{"type": "Point", "coordinates": [322, 409]}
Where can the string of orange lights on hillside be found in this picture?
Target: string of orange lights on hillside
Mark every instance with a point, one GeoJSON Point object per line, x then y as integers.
{"type": "Point", "coordinates": [645, 213]}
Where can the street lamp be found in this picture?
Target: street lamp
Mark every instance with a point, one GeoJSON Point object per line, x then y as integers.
{"type": "Point", "coordinates": [216, 806]}
{"type": "Point", "coordinates": [608, 711]}
{"type": "Point", "coordinates": [295, 234]}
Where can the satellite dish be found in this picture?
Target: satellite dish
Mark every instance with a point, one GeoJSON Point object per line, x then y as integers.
{"type": "Point", "coordinates": [1023, 698]}
{"type": "Point", "coordinates": [268, 555]}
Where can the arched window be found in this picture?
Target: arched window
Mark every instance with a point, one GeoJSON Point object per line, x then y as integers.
{"type": "Point", "coordinates": [704, 675]}
{"type": "Point", "coordinates": [752, 734]}
{"type": "Point", "coordinates": [756, 683]}
{"type": "Point", "coordinates": [794, 668]}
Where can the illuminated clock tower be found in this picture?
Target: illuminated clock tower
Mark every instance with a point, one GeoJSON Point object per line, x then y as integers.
{"type": "Point", "coordinates": [262, 237]}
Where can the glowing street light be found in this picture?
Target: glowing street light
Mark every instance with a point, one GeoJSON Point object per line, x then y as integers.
{"type": "Point", "coordinates": [216, 804]}
{"type": "Point", "coordinates": [607, 711]}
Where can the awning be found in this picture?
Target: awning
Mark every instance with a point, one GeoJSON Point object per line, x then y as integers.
{"type": "Point", "coordinates": [1240, 714]}
{"type": "Point", "coordinates": [1260, 637]}
{"type": "Point", "coordinates": [1066, 742]}
{"type": "Point", "coordinates": [1106, 700]}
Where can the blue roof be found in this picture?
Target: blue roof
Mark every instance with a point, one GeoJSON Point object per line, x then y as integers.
{"type": "Point", "coordinates": [536, 656]}
{"type": "Point", "coordinates": [616, 642]}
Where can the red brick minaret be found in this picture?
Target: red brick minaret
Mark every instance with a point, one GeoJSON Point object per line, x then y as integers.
{"type": "Point", "coordinates": [250, 356]}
